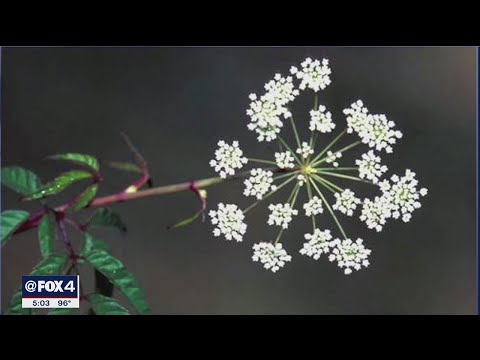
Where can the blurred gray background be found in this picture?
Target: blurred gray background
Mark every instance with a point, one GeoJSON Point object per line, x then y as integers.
{"type": "Point", "coordinates": [175, 103]}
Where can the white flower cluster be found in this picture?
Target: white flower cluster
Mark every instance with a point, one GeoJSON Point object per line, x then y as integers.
{"type": "Point", "coordinates": [357, 117]}
{"type": "Point", "coordinates": [369, 167]}
{"type": "Point", "coordinates": [265, 117]}
{"type": "Point", "coordinates": [379, 133]}
{"type": "Point", "coordinates": [349, 254]}
{"type": "Point", "coordinates": [227, 159]}
{"type": "Point", "coordinates": [301, 179]}
{"type": "Point", "coordinates": [305, 150]}
{"type": "Point", "coordinates": [332, 157]}
{"type": "Point", "coordinates": [281, 90]}
{"type": "Point", "coordinates": [229, 221]}
{"type": "Point", "coordinates": [314, 75]}
{"type": "Point", "coordinates": [313, 207]}
{"type": "Point", "coordinates": [403, 195]}
{"type": "Point", "coordinates": [285, 160]}
{"type": "Point", "coordinates": [321, 120]}
{"type": "Point", "coordinates": [266, 111]}
{"type": "Point", "coordinates": [259, 183]}
{"type": "Point", "coordinates": [375, 213]}
{"type": "Point", "coordinates": [399, 197]}
{"type": "Point", "coordinates": [346, 202]}
{"type": "Point", "coordinates": [375, 130]}
{"type": "Point", "coordinates": [281, 215]}
{"type": "Point", "coordinates": [318, 244]}
{"type": "Point", "coordinates": [273, 257]}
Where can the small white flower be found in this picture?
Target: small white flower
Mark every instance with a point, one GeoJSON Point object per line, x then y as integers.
{"type": "Point", "coordinates": [357, 116]}
{"type": "Point", "coordinates": [403, 195]}
{"type": "Point", "coordinates": [379, 133]}
{"type": "Point", "coordinates": [285, 160]}
{"type": "Point", "coordinates": [229, 221]}
{"type": "Point", "coordinates": [228, 158]}
{"type": "Point", "coordinates": [301, 179]}
{"type": "Point", "coordinates": [273, 257]}
{"type": "Point", "coordinates": [305, 150]}
{"type": "Point", "coordinates": [321, 120]}
{"type": "Point", "coordinates": [314, 75]}
{"type": "Point", "coordinates": [318, 244]}
{"type": "Point", "coordinates": [346, 202]}
{"type": "Point", "coordinates": [375, 213]}
{"type": "Point", "coordinates": [332, 157]}
{"type": "Point", "coordinates": [259, 183]}
{"type": "Point", "coordinates": [369, 167]}
{"type": "Point", "coordinates": [281, 215]}
{"type": "Point", "coordinates": [313, 207]}
{"type": "Point", "coordinates": [349, 255]}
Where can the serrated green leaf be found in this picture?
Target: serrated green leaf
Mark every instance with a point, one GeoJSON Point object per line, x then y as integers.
{"type": "Point", "coordinates": [103, 285]}
{"type": "Point", "coordinates": [11, 220]}
{"type": "Point", "coordinates": [82, 159]}
{"type": "Point", "coordinates": [117, 274]}
{"type": "Point", "coordinates": [125, 166]}
{"type": "Point", "coordinates": [59, 184]}
{"type": "Point", "coordinates": [63, 311]}
{"type": "Point", "coordinates": [104, 305]}
{"type": "Point", "coordinates": [107, 218]}
{"type": "Point", "coordinates": [52, 265]}
{"type": "Point", "coordinates": [20, 180]}
{"type": "Point", "coordinates": [47, 234]}
{"type": "Point", "coordinates": [93, 244]}
{"type": "Point", "coordinates": [84, 199]}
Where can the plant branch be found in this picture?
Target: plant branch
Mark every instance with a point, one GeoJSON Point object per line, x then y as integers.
{"type": "Point", "coordinates": [122, 196]}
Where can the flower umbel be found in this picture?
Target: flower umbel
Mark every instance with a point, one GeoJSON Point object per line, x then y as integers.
{"type": "Point", "coordinates": [321, 120]}
{"type": "Point", "coordinates": [273, 257]}
{"type": "Point", "coordinates": [369, 167]}
{"type": "Point", "coordinates": [314, 74]}
{"type": "Point", "coordinates": [346, 202]}
{"type": "Point", "coordinates": [314, 176]}
{"type": "Point", "coordinates": [229, 221]}
{"type": "Point", "coordinates": [285, 160]}
{"type": "Point", "coordinates": [228, 158]}
{"type": "Point", "coordinates": [313, 207]}
{"type": "Point", "coordinates": [259, 183]}
{"type": "Point", "coordinates": [305, 150]}
{"type": "Point", "coordinates": [318, 243]}
{"type": "Point", "coordinates": [349, 254]}
{"type": "Point", "coordinates": [281, 215]}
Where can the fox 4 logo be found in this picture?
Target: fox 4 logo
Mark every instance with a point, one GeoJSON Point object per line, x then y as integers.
{"type": "Point", "coordinates": [55, 286]}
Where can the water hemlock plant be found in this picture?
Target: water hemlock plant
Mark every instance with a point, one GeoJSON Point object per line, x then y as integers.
{"type": "Point", "coordinates": [311, 169]}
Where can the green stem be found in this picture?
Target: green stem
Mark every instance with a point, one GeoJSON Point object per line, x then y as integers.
{"type": "Point", "coordinates": [329, 173]}
{"type": "Point", "coordinates": [329, 209]}
{"type": "Point", "coordinates": [309, 192]}
{"type": "Point", "coordinates": [278, 236]}
{"type": "Point", "coordinates": [329, 146]}
{"type": "Point", "coordinates": [297, 139]}
{"type": "Point", "coordinates": [337, 168]}
{"type": "Point", "coordinates": [342, 150]}
{"type": "Point", "coordinates": [296, 191]}
{"type": "Point", "coordinates": [334, 186]}
{"type": "Point", "coordinates": [313, 135]}
{"type": "Point", "coordinates": [278, 177]}
{"type": "Point", "coordinates": [261, 161]}
{"type": "Point", "coordinates": [291, 151]}
{"type": "Point", "coordinates": [269, 194]}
